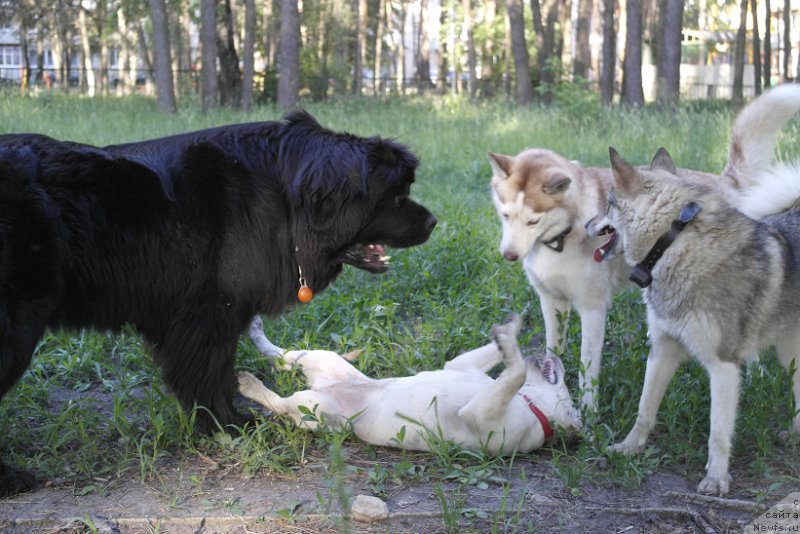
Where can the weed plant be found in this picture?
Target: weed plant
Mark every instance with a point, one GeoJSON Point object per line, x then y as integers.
{"type": "Point", "coordinates": [92, 406]}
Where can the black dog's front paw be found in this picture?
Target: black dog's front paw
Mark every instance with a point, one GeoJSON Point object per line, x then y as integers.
{"type": "Point", "coordinates": [13, 481]}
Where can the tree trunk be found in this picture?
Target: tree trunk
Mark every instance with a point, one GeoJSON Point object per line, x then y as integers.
{"type": "Point", "coordinates": [89, 83]}
{"type": "Point", "coordinates": [144, 50]}
{"type": "Point", "coordinates": [669, 57]}
{"type": "Point", "coordinates": [487, 88]}
{"type": "Point", "coordinates": [230, 76]}
{"type": "Point", "coordinates": [519, 49]}
{"type": "Point", "coordinates": [738, 60]}
{"type": "Point", "coordinates": [424, 51]}
{"type": "Point", "coordinates": [632, 93]}
{"type": "Point", "coordinates": [100, 19]}
{"type": "Point", "coordinates": [162, 58]}
{"type": "Point", "coordinates": [545, 18]}
{"type": "Point", "coordinates": [271, 38]}
{"type": "Point", "coordinates": [608, 61]}
{"type": "Point", "coordinates": [756, 47]}
{"type": "Point", "coordinates": [377, 78]}
{"type": "Point", "coordinates": [787, 41]}
{"type": "Point", "coordinates": [361, 46]}
{"type": "Point", "coordinates": [57, 49]}
{"type": "Point", "coordinates": [289, 56]}
{"type": "Point", "coordinates": [24, 14]}
{"type": "Point", "coordinates": [249, 58]}
{"type": "Point", "coordinates": [401, 52]}
{"type": "Point", "coordinates": [208, 42]}
{"type": "Point", "coordinates": [185, 77]}
{"type": "Point", "coordinates": [123, 61]}
{"type": "Point", "coordinates": [582, 64]}
{"type": "Point", "coordinates": [768, 46]}
{"type": "Point", "coordinates": [472, 74]}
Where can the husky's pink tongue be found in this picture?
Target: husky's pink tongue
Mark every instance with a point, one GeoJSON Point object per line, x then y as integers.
{"type": "Point", "coordinates": [600, 252]}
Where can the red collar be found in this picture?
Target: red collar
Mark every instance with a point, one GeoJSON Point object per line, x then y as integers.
{"type": "Point", "coordinates": [548, 430]}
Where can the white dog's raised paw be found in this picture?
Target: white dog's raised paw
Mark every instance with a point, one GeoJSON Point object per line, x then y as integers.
{"type": "Point", "coordinates": [506, 334]}
{"type": "Point", "coordinates": [714, 485]}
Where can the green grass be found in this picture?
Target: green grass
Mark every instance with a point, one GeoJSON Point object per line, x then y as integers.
{"type": "Point", "coordinates": [439, 300]}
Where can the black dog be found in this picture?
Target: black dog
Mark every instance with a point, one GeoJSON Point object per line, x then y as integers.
{"type": "Point", "coordinates": [187, 238]}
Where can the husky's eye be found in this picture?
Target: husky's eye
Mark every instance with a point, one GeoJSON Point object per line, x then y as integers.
{"type": "Point", "coordinates": [611, 202]}
{"type": "Point", "coordinates": [533, 222]}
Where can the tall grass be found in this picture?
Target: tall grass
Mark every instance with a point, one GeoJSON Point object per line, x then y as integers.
{"type": "Point", "coordinates": [439, 300]}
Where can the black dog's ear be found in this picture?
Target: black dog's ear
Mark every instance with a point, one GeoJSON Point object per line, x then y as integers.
{"type": "Point", "coordinates": [385, 154]}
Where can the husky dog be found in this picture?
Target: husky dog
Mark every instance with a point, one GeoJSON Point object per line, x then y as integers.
{"type": "Point", "coordinates": [544, 200]}
{"type": "Point", "coordinates": [459, 403]}
{"type": "Point", "coordinates": [718, 285]}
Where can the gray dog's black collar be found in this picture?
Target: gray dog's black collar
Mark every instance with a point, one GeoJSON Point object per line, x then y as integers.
{"type": "Point", "coordinates": [641, 273]}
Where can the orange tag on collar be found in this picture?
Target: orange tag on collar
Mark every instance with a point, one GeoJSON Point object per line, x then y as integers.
{"type": "Point", "coordinates": [305, 294]}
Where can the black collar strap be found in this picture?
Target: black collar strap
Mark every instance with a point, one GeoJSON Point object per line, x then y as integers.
{"type": "Point", "coordinates": [557, 243]}
{"type": "Point", "coordinates": [641, 274]}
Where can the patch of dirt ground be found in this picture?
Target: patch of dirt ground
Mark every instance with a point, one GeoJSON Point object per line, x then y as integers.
{"type": "Point", "coordinates": [198, 496]}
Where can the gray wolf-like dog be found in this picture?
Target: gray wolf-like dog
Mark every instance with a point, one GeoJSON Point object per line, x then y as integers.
{"type": "Point", "coordinates": [460, 403]}
{"type": "Point", "coordinates": [721, 281]}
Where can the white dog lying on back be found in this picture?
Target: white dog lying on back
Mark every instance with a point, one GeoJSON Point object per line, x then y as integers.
{"type": "Point", "coordinates": [460, 403]}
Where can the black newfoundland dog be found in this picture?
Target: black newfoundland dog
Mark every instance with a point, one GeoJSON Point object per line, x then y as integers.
{"type": "Point", "coordinates": [187, 238]}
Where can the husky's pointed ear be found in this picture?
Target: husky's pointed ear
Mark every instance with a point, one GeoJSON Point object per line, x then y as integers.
{"type": "Point", "coordinates": [662, 160]}
{"type": "Point", "coordinates": [501, 166]}
{"type": "Point", "coordinates": [625, 177]}
{"type": "Point", "coordinates": [557, 184]}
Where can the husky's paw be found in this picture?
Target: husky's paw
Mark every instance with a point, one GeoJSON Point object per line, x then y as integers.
{"type": "Point", "coordinates": [714, 485]}
{"type": "Point", "coordinates": [249, 385]}
{"type": "Point", "coordinates": [627, 447]}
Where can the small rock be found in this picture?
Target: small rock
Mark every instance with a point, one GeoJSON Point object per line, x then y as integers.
{"type": "Point", "coordinates": [369, 509]}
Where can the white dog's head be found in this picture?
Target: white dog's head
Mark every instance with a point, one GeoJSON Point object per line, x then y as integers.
{"type": "Point", "coordinates": [530, 192]}
{"type": "Point", "coordinates": [544, 384]}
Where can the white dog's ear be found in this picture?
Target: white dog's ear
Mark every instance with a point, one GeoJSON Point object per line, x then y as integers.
{"type": "Point", "coordinates": [662, 160]}
{"type": "Point", "coordinates": [549, 370]}
{"type": "Point", "coordinates": [626, 178]}
{"type": "Point", "coordinates": [501, 165]}
{"type": "Point", "coordinates": [353, 355]}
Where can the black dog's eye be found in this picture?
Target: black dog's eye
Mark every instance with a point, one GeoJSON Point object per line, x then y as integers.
{"type": "Point", "coordinates": [399, 199]}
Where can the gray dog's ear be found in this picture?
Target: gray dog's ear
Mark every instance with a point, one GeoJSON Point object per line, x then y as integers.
{"type": "Point", "coordinates": [501, 165]}
{"type": "Point", "coordinates": [662, 160]}
{"type": "Point", "coordinates": [626, 179]}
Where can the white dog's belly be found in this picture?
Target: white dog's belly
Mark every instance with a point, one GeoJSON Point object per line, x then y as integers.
{"type": "Point", "coordinates": [409, 411]}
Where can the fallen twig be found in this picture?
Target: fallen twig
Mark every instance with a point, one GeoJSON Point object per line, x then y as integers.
{"type": "Point", "coordinates": [733, 504]}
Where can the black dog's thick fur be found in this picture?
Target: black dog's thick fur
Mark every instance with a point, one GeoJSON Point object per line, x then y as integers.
{"type": "Point", "coordinates": [186, 238]}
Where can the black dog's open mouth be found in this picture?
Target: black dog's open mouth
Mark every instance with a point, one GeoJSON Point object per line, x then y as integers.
{"type": "Point", "coordinates": [371, 257]}
{"type": "Point", "coordinates": [603, 250]}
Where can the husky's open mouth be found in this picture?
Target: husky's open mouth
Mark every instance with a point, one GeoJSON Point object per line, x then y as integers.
{"type": "Point", "coordinates": [370, 257]}
{"type": "Point", "coordinates": [602, 252]}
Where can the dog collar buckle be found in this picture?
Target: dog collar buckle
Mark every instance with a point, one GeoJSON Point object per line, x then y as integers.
{"type": "Point", "coordinates": [641, 274]}
{"type": "Point", "coordinates": [557, 243]}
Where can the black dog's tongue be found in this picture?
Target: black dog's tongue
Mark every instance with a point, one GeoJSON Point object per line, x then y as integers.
{"type": "Point", "coordinates": [376, 255]}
